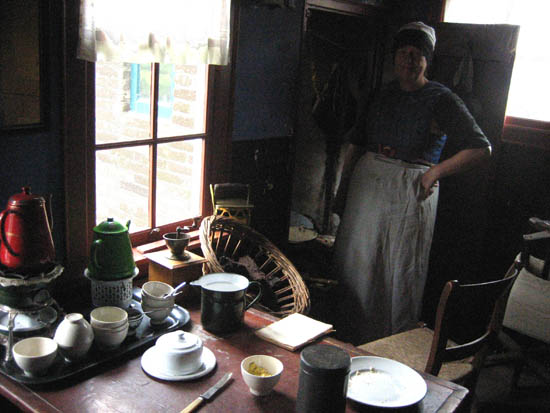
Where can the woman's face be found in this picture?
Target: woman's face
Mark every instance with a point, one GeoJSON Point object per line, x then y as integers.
{"type": "Point", "coordinates": [410, 64]}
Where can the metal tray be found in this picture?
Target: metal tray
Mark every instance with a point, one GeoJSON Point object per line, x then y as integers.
{"type": "Point", "coordinates": [63, 369]}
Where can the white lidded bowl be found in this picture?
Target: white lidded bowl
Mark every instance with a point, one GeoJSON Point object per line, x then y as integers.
{"type": "Point", "coordinates": [179, 353]}
{"type": "Point", "coordinates": [153, 304]}
{"type": "Point", "coordinates": [34, 355]}
{"type": "Point", "coordinates": [108, 317]}
{"type": "Point", "coordinates": [74, 336]}
{"type": "Point", "coordinates": [261, 385]}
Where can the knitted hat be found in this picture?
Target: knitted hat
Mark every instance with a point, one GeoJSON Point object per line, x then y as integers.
{"type": "Point", "coordinates": [416, 34]}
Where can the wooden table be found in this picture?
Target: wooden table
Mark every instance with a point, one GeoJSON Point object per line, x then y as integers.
{"type": "Point", "coordinates": [125, 387]}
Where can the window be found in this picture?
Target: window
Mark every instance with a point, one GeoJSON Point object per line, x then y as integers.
{"type": "Point", "coordinates": [149, 152]}
{"type": "Point", "coordinates": [529, 89]}
{"type": "Point", "coordinates": [138, 140]}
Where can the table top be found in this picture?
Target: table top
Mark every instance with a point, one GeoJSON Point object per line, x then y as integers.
{"type": "Point", "coordinates": [124, 386]}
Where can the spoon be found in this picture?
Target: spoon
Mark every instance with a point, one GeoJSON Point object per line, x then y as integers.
{"type": "Point", "coordinates": [175, 291]}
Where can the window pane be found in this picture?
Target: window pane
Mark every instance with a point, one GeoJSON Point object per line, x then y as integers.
{"type": "Point", "coordinates": [122, 186]}
{"type": "Point", "coordinates": [528, 88]}
{"type": "Point", "coordinates": [120, 112]}
{"type": "Point", "coordinates": [182, 100]}
{"type": "Point", "coordinates": [179, 180]}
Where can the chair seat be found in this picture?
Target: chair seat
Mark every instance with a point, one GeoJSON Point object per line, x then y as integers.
{"type": "Point", "coordinates": [413, 349]}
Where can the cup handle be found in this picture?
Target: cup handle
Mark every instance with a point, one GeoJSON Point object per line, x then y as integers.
{"type": "Point", "coordinates": [251, 303]}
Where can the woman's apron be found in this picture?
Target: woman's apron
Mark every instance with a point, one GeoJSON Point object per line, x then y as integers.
{"type": "Point", "coordinates": [382, 249]}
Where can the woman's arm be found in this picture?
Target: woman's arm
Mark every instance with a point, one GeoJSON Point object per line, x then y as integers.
{"type": "Point", "coordinates": [460, 162]}
{"type": "Point", "coordinates": [351, 156]}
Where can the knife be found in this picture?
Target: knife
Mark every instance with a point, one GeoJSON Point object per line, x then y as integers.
{"type": "Point", "coordinates": [207, 394]}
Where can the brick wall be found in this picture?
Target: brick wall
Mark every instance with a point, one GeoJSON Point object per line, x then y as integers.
{"type": "Point", "coordinates": [122, 175]}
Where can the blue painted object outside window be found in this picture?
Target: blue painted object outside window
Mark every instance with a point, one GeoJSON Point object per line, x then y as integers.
{"type": "Point", "coordinates": [140, 101]}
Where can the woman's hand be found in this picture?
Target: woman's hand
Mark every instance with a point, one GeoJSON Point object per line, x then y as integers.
{"type": "Point", "coordinates": [428, 182]}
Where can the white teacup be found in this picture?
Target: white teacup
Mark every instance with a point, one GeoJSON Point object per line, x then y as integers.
{"type": "Point", "coordinates": [34, 355]}
{"type": "Point", "coordinates": [154, 304]}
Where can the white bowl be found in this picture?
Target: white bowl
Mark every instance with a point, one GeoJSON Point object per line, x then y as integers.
{"type": "Point", "coordinates": [34, 355]}
{"type": "Point", "coordinates": [261, 385]}
{"type": "Point", "coordinates": [156, 289]}
{"type": "Point", "coordinates": [179, 353]}
{"type": "Point", "coordinates": [110, 338]}
{"type": "Point", "coordinates": [108, 317]}
{"type": "Point", "coordinates": [153, 305]}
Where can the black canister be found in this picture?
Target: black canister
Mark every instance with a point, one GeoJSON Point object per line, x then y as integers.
{"type": "Point", "coordinates": [323, 379]}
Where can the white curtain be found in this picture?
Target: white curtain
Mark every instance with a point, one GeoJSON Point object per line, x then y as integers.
{"type": "Point", "coordinates": [529, 88]}
{"type": "Point", "coordinates": [163, 31]}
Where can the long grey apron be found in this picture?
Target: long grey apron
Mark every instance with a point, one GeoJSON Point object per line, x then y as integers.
{"type": "Point", "coordinates": [382, 249]}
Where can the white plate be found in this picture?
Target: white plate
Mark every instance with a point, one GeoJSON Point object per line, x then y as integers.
{"type": "Point", "coordinates": [384, 383]}
{"type": "Point", "coordinates": [149, 364]}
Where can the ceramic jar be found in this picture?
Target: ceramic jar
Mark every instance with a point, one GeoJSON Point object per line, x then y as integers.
{"type": "Point", "coordinates": [74, 336]}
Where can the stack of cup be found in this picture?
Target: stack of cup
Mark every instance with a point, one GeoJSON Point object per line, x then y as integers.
{"type": "Point", "coordinates": [110, 325]}
{"type": "Point", "coordinates": [157, 301]}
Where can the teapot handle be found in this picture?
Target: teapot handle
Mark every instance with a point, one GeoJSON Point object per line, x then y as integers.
{"type": "Point", "coordinates": [251, 303]}
{"type": "Point", "coordinates": [3, 216]}
{"type": "Point", "coordinates": [96, 246]}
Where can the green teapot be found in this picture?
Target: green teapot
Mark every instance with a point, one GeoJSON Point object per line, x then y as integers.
{"type": "Point", "coordinates": [111, 256]}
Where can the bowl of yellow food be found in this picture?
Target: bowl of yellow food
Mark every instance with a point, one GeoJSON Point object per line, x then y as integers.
{"type": "Point", "coordinates": [261, 373]}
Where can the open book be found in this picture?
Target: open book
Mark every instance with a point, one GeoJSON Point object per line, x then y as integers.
{"type": "Point", "coordinates": [294, 331]}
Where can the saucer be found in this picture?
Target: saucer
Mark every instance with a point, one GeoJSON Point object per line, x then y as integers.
{"type": "Point", "coordinates": [151, 367]}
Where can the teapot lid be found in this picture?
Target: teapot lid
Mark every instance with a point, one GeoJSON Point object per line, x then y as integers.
{"type": "Point", "coordinates": [25, 197]}
{"type": "Point", "coordinates": [110, 226]}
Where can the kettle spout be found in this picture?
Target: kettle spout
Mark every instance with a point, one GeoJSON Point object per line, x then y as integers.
{"type": "Point", "coordinates": [128, 224]}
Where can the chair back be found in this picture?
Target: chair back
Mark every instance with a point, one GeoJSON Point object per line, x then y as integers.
{"type": "Point", "coordinates": [471, 316]}
{"type": "Point", "coordinates": [232, 200]}
{"type": "Point", "coordinates": [229, 245]}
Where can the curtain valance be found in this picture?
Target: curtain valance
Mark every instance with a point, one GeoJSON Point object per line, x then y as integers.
{"type": "Point", "coordinates": [163, 31]}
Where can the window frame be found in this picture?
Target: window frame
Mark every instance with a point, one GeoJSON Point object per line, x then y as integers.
{"type": "Point", "coordinates": [79, 141]}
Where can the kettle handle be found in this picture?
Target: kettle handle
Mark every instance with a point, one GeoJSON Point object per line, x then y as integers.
{"type": "Point", "coordinates": [96, 246]}
{"type": "Point", "coordinates": [3, 216]}
{"type": "Point", "coordinates": [251, 303]}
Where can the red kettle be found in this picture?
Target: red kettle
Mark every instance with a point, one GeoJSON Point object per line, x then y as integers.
{"type": "Point", "coordinates": [26, 244]}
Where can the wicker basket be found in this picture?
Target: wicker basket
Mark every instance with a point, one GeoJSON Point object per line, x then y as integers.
{"type": "Point", "coordinates": [224, 237]}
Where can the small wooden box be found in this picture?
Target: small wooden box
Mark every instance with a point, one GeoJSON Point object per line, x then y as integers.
{"type": "Point", "coordinates": [173, 272]}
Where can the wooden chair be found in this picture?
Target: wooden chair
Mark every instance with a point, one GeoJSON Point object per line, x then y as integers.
{"type": "Point", "coordinates": [225, 241]}
{"type": "Point", "coordinates": [468, 319]}
{"type": "Point", "coordinates": [525, 336]}
{"type": "Point", "coordinates": [232, 200]}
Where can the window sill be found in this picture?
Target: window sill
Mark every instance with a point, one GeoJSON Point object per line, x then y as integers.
{"type": "Point", "coordinates": [527, 132]}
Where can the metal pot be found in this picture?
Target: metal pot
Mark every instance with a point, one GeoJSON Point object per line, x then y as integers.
{"type": "Point", "coordinates": [26, 238]}
{"type": "Point", "coordinates": [224, 301]}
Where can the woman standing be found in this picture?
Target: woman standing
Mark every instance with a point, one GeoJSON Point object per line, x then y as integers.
{"type": "Point", "coordinates": [391, 175]}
